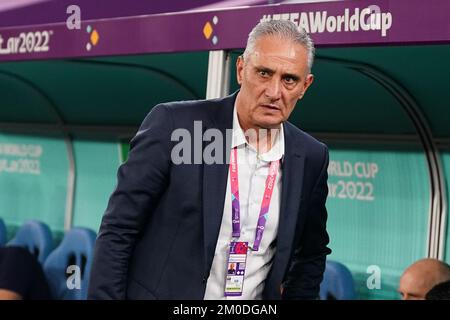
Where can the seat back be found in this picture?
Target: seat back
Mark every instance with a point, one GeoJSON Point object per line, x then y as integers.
{"type": "Point", "coordinates": [68, 267]}
{"type": "Point", "coordinates": [337, 282]}
{"type": "Point", "coordinates": [2, 232]}
{"type": "Point", "coordinates": [36, 237]}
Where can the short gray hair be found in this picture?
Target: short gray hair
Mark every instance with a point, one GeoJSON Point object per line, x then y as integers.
{"type": "Point", "coordinates": [284, 29]}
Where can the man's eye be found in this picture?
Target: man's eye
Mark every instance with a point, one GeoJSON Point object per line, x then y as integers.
{"type": "Point", "coordinates": [289, 80]}
{"type": "Point", "coordinates": [263, 73]}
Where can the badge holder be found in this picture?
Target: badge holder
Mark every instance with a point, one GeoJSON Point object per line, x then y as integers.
{"type": "Point", "coordinates": [237, 257]}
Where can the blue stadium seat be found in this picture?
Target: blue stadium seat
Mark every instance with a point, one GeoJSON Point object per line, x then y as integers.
{"type": "Point", "coordinates": [337, 282]}
{"type": "Point", "coordinates": [2, 232]}
{"type": "Point", "coordinates": [68, 267]}
{"type": "Point", "coordinates": [36, 237]}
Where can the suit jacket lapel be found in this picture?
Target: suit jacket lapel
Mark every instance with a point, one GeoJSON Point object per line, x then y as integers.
{"type": "Point", "coordinates": [292, 181]}
{"type": "Point", "coordinates": [215, 180]}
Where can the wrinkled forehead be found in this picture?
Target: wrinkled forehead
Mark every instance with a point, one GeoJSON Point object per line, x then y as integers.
{"type": "Point", "coordinates": [276, 52]}
{"type": "Point", "coordinates": [279, 46]}
{"type": "Point", "coordinates": [415, 282]}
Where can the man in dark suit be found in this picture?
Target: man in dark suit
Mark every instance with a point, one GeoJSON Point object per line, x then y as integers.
{"type": "Point", "coordinates": [172, 227]}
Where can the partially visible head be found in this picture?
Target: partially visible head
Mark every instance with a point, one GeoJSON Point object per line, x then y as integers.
{"type": "Point", "coordinates": [419, 278]}
{"type": "Point", "coordinates": [440, 291]}
{"type": "Point", "coordinates": [274, 73]}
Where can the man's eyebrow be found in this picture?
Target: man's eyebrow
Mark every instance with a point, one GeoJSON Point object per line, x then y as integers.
{"type": "Point", "coordinates": [270, 71]}
{"type": "Point", "coordinates": [265, 69]}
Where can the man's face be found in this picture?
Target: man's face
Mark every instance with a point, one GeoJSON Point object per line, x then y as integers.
{"type": "Point", "coordinates": [273, 78]}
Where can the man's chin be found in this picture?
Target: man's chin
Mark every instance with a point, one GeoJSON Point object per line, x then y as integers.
{"type": "Point", "coordinates": [275, 124]}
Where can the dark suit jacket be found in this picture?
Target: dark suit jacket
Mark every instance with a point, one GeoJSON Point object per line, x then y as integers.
{"type": "Point", "coordinates": [159, 232]}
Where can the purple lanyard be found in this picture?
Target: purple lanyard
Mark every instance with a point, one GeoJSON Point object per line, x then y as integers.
{"type": "Point", "coordinates": [235, 207]}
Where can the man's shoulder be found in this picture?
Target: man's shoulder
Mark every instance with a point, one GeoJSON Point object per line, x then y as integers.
{"type": "Point", "coordinates": [183, 105]}
{"type": "Point", "coordinates": [185, 114]}
{"type": "Point", "coordinates": [193, 107]}
{"type": "Point", "coordinates": [304, 138]}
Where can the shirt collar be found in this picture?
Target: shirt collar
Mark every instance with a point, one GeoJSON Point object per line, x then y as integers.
{"type": "Point", "coordinates": [275, 153]}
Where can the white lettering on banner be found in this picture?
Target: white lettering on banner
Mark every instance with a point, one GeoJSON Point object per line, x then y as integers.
{"type": "Point", "coordinates": [20, 158]}
{"type": "Point", "coordinates": [366, 19]}
{"type": "Point", "coordinates": [74, 20]}
{"type": "Point", "coordinates": [26, 42]}
{"type": "Point", "coordinates": [359, 189]}
{"type": "Point", "coordinates": [74, 279]}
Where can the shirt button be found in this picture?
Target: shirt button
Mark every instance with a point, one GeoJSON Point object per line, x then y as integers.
{"type": "Point", "coordinates": [204, 280]}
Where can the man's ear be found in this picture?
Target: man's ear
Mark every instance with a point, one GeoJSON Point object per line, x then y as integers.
{"type": "Point", "coordinates": [308, 81]}
{"type": "Point", "coordinates": [239, 69]}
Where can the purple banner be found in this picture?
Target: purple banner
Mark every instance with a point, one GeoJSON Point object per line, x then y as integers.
{"type": "Point", "coordinates": [32, 12]}
{"type": "Point", "coordinates": [329, 23]}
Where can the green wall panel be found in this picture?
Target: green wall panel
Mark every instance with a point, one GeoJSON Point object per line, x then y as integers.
{"type": "Point", "coordinates": [96, 164]}
{"type": "Point", "coordinates": [33, 180]}
{"type": "Point", "coordinates": [378, 213]}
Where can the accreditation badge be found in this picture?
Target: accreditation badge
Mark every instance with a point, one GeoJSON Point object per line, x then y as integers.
{"type": "Point", "coordinates": [237, 257]}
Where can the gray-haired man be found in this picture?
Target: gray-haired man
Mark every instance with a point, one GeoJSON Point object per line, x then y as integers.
{"type": "Point", "coordinates": [174, 231]}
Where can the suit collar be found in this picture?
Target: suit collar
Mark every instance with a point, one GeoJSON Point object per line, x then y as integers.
{"type": "Point", "coordinates": [215, 178]}
{"type": "Point", "coordinates": [222, 115]}
{"type": "Point", "coordinates": [292, 183]}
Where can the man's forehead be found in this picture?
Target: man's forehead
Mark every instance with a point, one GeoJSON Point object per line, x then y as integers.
{"type": "Point", "coordinates": [414, 283]}
{"type": "Point", "coordinates": [275, 51]}
{"type": "Point", "coordinates": [261, 55]}
{"type": "Point", "coordinates": [275, 45]}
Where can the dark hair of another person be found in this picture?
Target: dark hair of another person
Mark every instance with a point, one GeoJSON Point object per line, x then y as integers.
{"type": "Point", "coordinates": [440, 291]}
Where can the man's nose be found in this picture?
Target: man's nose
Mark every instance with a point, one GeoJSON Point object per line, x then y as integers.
{"type": "Point", "coordinates": [273, 89]}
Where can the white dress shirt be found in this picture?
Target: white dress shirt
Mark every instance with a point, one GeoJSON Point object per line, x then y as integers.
{"type": "Point", "coordinates": [253, 170]}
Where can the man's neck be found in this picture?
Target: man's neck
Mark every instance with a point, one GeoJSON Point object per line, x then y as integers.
{"type": "Point", "coordinates": [262, 139]}
{"type": "Point", "coordinates": [265, 140]}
